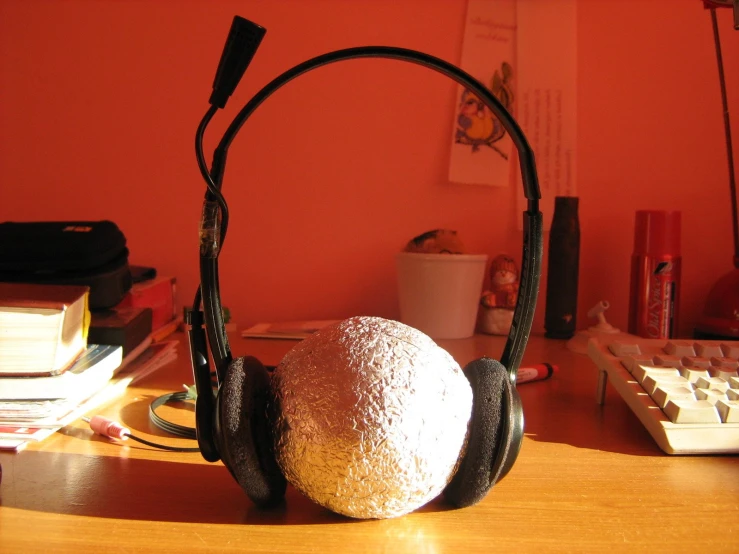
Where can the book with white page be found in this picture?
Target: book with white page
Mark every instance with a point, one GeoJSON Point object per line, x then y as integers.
{"type": "Point", "coordinates": [43, 328]}
{"type": "Point", "coordinates": [92, 370]}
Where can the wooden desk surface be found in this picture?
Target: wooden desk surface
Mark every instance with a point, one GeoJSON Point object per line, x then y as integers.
{"type": "Point", "coordinates": [588, 478]}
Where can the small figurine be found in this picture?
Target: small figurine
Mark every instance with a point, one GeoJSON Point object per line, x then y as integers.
{"type": "Point", "coordinates": [497, 304]}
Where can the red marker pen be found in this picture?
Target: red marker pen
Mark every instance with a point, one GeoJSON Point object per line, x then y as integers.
{"type": "Point", "coordinates": [535, 372]}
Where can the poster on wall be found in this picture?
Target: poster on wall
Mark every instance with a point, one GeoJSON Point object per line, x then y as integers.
{"type": "Point", "coordinates": [546, 60]}
{"type": "Point", "coordinates": [481, 149]}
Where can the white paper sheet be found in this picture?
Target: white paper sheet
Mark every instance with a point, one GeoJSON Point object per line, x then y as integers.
{"type": "Point", "coordinates": [546, 59]}
{"type": "Point", "coordinates": [481, 149]}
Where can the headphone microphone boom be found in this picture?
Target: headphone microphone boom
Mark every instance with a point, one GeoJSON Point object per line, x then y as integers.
{"type": "Point", "coordinates": [249, 423]}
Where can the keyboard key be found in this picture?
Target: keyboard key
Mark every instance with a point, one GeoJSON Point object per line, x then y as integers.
{"type": "Point", "coordinates": [692, 374]}
{"type": "Point", "coordinates": [732, 394]}
{"type": "Point", "coordinates": [622, 348]}
{"type": "Point", "coordinates": [641, 371]}
{"type": "Point", "coordinates": [722, 372]}
{"type": "Point", "coordinates": [662, 395]}
{"type": "Point", "coordinates": [711, 395]}
{"type": "Point", "coordinates": [631, 362]}
{"type": "Point", "coordinates": [667, 360]}
{"type": "Point", "coordinates": [651, 382]}
{"type": "Point", "coordinates": [680, 348]}
{"type": "Point", "coordinates": [725, 362]}
{"type": "Point", "coordinates": [733, 382]}
{"type": "Point", "coordinates": [707, 350]}
{"type": "Point", "coordinates": [730, 350]}
{"type": "Point", "coordinates": [696, 361]}
{"type": "Point", "coordinates": [712, 383]}
{"type": "Point", "coordinates": [728, 411]}
{"type": "Point", "coordinates": [692, 411]}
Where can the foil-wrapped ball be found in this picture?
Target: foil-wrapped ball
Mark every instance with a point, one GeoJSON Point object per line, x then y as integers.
{"type": "Point", "coordinates": [371, 417]}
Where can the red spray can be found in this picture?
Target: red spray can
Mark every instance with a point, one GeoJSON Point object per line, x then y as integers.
{"type": "Point", "coordinates": [655, 275]}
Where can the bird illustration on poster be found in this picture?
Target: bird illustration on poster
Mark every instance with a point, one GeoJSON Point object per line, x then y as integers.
{"type": "Point", "coordinates": [481, 149]}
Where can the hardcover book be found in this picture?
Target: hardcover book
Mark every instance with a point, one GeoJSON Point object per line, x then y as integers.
{"type": "Point", "coordinates": [126, 327]}
{"type": "Point", "coordinates": [43, 328]}
{"type": "Point", "coordinates": [158, 294]}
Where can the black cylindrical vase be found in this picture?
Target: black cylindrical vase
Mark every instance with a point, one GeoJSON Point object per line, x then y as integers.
{"type": "Point", "coordinates": [560, 317]}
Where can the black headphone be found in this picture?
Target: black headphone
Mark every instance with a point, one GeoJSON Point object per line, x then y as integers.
{"type": "Point", "coordinates": [233, 425]}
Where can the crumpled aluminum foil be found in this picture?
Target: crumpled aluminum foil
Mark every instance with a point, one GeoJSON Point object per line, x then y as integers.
{"type": "Point", "coordinates": [371, 417]}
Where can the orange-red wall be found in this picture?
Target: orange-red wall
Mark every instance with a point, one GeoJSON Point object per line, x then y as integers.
{"type": "Point", "coordinates": [100, 100]}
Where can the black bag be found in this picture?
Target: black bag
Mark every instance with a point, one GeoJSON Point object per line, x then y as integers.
{"type": "Point", "coordinates": [91, 253]}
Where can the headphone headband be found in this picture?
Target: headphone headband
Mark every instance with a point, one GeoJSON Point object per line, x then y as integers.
{"type": "Point", "coordinates": [212, 235]}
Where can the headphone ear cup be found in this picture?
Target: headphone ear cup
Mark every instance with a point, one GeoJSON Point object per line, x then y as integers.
{"type": "Point", "coordinates": [244, 432]}
{"type": "Point", "coordinates": [495, 434]}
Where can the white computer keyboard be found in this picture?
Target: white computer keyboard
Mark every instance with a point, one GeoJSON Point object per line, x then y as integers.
{"type": "Point", "coordinates": [685, 392]}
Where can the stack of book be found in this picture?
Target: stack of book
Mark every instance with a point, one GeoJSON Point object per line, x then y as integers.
{"type": "Point", "coordinates": [58, 360]}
